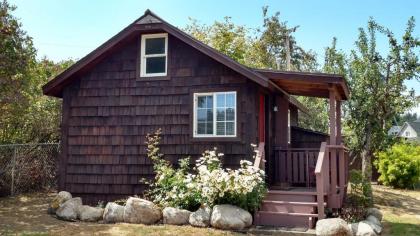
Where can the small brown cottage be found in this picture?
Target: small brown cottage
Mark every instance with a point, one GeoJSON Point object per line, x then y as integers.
{"type": "Point", "coordinates": [152, 75]}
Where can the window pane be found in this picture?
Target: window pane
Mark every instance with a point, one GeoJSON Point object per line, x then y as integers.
{"type": "Point", "coordinates": [209, 128]}
{"type": "Point", "coordinates": [220, 100]}
{"type": "Point", "coordinates": [201, 101]}
{"type": "Point", "coordinates": [209, 101]}
{"type": "Point", "coordinates": [201, 128]}
{"type": "Point", "coordinates": [220, 128]}
{"type": "Point", "coordinates": [230, 130]}
{"type": "Point", "coordinates": [209, 114]}
{"type": "Point", "coordinates": [155, 46]}
{"type": "Point", "coordinates": [230, 114]}
{"type": "Point", "coordinates": [230, 100]}
{"type": "Point", "coordinates": [202, 115]}
{"type": "Point", "coordinates": [220, 115]}
{"type": "Point", "coordinates": [155, 65]}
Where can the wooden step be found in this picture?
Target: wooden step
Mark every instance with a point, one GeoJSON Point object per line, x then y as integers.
{"type": "Point", "coordinates": [289, 213]}
{"type": "Point", "coordinates": [288, 206]}
{"type": "Point", "coordinates": [292, 203]}
{"type": "Point", "coordinates": [285, 219]}
{"type": "Point", "coordinates": [294, 192]}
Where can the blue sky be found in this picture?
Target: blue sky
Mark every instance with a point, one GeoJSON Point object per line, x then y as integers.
{"type": "Point", "coordinates": [72, 28]}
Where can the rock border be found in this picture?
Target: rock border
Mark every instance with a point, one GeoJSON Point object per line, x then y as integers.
{"type": "Point", "coordinates": [141, 211]}
{"type": "Point", "coordinates": [371, 226]}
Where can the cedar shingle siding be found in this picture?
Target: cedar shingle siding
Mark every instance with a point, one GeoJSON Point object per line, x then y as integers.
{"type": "Point", "coordinates": [108, 112]}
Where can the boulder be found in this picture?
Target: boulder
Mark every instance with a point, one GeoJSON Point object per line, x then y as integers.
{"type": "Point", "coordinates": [230, 217]}
{"type": "Point", "coordinates": [113, 213]}
{"type": "Point", "coordinates": [374, 212]}
{"type": "Point", "coordinates": [90, 214]}
{"type": "Point", "coordinates": [68, 210]}
{"type": "Point", "coordinates": [175, 216]}
{"type": "Point", "coordinates": [141, 211]}
{"type": "Point", "coordinates": [61, 197]}
{"type": "Point", "coordinates": [201, 217]}
{"type": "Point", "coordinates": [332, 227]}
{"type": "Point", "coordinates": [362, 229]}
{"type": "Point", "coordinates": [374, 223]}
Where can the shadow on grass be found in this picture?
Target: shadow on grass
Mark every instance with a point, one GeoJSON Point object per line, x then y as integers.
{"type": "Point", "coordinates": [398, 203]}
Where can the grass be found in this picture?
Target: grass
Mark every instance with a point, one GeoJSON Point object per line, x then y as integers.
{"type": "Point", "coordinates": [26, 215]}
{"type": "Point", "coordinates": [401, 210]}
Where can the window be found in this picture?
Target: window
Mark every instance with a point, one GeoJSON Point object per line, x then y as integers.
{"type": "Point", "coordinates": [154, 55]}
{"type": "Point", "coordinates": [407, 133]}
{"type": "Point", "coordinates": [215, 114]}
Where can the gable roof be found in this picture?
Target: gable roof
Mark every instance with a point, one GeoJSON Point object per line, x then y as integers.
{"type": "Point", "coordinates": [415, 125]}
{"type": "Point", "coordinates": [150, 21]}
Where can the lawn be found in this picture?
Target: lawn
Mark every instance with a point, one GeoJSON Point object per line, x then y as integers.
{"type": "Point", "coordinates": [401, 209]}
{"type": "Point", "coordinates": [26, 215]}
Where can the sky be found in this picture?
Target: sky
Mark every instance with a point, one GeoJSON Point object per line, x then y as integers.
{"type": "Point", "coordinates": [72, 28]}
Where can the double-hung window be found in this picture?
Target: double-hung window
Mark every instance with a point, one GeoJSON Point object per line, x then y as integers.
{"type": "Point", "coordinates": [215, 114]}
{"type": "Point", "coordinates": [154, 55]}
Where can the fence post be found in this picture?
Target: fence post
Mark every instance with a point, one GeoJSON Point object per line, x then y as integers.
{"type": "Point", "coordinates": [12, 191]}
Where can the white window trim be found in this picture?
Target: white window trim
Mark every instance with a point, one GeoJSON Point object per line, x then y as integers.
{"type": "Point", "coordinates": [143, 56]}
{"type": "Point", "coordinates": [214, 135]}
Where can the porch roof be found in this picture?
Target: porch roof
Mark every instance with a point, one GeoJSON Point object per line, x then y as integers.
{"type": "Point", "coordinates": [308, 84]}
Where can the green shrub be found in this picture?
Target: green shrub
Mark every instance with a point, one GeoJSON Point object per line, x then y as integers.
{"type": "Point", "coordinates": [399, 166]}
{"type": "Point", "coordinates": [358, 198]}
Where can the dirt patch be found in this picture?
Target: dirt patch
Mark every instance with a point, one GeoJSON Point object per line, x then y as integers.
{"type": "Point", "coordinates": [27, 214]}
{"type": "Point", "coordinates": [401, 209]}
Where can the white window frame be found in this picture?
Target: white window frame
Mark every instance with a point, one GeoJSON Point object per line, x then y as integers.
{"type": "Point", "coordinates": [214, 135]}
{"type": "Point", "coordinates": [143, 55]}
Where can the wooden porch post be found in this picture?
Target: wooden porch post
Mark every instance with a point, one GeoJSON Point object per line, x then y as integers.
{"type": "Point", "coordinates": [338, 114]}
{"type": "Point", "coordinates": [332, 198]}
{"type": "Point", "coordinates": [333, 122]}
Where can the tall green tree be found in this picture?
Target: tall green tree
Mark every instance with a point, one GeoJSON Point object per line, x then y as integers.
{"type": "Point", "coordinates": [277, 47]}
{"type": "Point", "coordinates": [24, 110]}
{"type": "Point", "coordinates": [228, 38]}
{"type": "Point", "coordinates": [378, 93]}
{"type": "Point", "coordinates": [17, 55]}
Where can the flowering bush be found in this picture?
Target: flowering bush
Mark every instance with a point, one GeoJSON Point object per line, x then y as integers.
{"type": "Point", "coordinates": [244, 187]}
{"type": "Point", "coordinates": [169, 187]}
{"type": "Point", "coordinates": [210, 183]}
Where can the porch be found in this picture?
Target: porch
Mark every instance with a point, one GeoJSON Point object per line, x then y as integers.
{"type": "Point", "coordinates": [307, 171]}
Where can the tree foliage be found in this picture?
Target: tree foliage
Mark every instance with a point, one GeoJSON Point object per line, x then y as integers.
{"type": "Point", "coordinates": [377, 86]}
{"type": "Point", "coordinates": [24, 110]}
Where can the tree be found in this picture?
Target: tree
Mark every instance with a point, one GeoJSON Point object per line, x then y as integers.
{"type": "Point", "coordinates": [24, 110]}
{"type": "Point", "coordinates": [335, 63]}
{"type": "Point", "coordinates": [228, 38]}
{"type": "Point", "coordinates": [278, 48]}
{"type": "Point", "coordinates": [377, 88]}
{"type": "Point", "coordinates": [406, 117]}
{"type": "Point", "coordinates": [17, 55]}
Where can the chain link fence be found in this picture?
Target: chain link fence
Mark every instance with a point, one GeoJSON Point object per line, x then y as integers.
{"type": "Point", "coordinates": [28, 167]}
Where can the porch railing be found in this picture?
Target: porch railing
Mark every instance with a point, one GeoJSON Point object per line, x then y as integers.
{"type": "Point", "coordinates": [295, 166]}
{"type": "Point", "coordinates": [260, 157]}
{"type": "Point", "coordinates": [331, 176]}
{"type": "Point", "coordinates": [325, 168]}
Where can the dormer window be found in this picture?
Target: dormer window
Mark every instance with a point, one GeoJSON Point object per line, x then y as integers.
{"type": "Point", "coordinates": [154, 55]}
